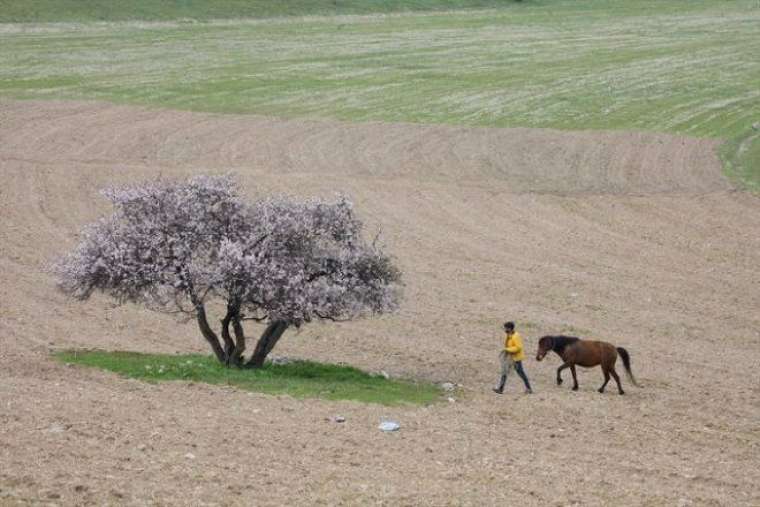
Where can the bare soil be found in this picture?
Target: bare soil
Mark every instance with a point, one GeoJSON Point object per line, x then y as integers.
{"type": "Point", "coordinates": [633, 238]}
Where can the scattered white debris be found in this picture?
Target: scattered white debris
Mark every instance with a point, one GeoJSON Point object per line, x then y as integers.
{"type": "Point", "coordinates": [451, 400]}
{"type": "Point", "coordinates": [56, 427]}
{"type": "Point", "coordinates": [389, 426]}
{"type": "Point", "coordinates": [384, 374]}
{"type": "Point", "coordinates": [338, 419]}
{"type": "Point", "coordinates": [280, 360]}
{"type": "Point", "coordinates": [190, 455]}
{"type": "Point", "coordinates": [448, 386]}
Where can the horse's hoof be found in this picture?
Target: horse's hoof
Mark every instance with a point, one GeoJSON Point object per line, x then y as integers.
{"type": "Point", "coordinates": [622, 393]}
{"type": "Point", "coordinates": [575, 388]}
{"type": "Point", "coordinates": [559, 381]}
{"type": "Point", "coordinates": [600, 390]}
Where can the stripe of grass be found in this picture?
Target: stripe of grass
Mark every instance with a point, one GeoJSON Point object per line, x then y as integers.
{"type": "Point", "coordinates": [14, 11]}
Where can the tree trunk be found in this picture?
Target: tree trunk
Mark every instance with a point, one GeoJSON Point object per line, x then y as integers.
{"type": "Point", "coordinates": [229, 344]}
{"type": "Point", "coordinates": [236, 356]}
{"type": "Point", "coordinates": [266, 343]}
{"type": "Point", "coordinates": [209, 335]}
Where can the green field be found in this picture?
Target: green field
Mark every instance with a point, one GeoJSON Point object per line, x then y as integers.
{"type": "Point", "coordinates": [689, 67]}
{"type": "Point", "coordinates": [300, 379]}
{"type": "Point", "coordinates": [15, 11]}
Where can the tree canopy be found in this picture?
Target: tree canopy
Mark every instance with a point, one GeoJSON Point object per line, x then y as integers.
{"type": "Point", "coordinates": [177, 246]}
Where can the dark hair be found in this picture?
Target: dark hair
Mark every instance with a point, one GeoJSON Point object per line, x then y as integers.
{"type": "Point", "coordinates": [509, 326]}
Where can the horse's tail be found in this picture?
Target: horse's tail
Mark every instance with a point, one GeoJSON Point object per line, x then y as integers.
{"type": "Point", "coordinates": [627, 363]}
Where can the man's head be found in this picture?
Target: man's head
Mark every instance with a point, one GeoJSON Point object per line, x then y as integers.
{"type": "Point", "coordinates": [509, 327]}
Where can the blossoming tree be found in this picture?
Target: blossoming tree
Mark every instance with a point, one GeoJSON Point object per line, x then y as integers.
{"type": "Point", "coordinates": [189, 246]}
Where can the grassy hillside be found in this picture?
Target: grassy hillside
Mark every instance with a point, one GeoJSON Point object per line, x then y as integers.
{"type": "Point", "coordinates": [678, 66]}
{"type": "Point", "coordinates": [25, 11]}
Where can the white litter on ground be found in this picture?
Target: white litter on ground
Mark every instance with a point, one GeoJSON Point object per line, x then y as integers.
{"type": "Point", "coordinates": [389, 426]}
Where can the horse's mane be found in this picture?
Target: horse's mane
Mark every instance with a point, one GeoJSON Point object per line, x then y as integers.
{"type": "Point", "coordinates": [559, 342]}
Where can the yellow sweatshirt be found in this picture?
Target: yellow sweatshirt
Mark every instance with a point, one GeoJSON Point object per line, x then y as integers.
{"type": "Point", "coordinates": [514, 346]}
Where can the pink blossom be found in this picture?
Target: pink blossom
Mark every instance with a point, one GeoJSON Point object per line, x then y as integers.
{"type": "Point", "coordinates": [176, 246]}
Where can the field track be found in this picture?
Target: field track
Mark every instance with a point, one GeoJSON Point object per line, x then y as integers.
{"type": "Point", "coordinates": [634, 238]}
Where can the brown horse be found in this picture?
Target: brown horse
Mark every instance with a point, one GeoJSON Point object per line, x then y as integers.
{"type": "Point", "coordinates": [586, 353]}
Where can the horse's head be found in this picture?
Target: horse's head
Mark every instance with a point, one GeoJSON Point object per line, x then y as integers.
{"type": "Point", "coordinates": [545, 344]}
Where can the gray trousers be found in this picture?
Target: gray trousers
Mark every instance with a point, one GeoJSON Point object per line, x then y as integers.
{"type": "Point", "coordinates": [507, 363]}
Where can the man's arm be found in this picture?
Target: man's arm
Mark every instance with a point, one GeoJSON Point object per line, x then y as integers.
{"type": "Point", "coordinates": [517, 347]}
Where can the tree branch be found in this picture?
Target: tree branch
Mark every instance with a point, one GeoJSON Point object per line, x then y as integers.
{"type": "Point", "coordinates": [377, 237]}
{"type": "Point", "coordinates": [208, 334]}
{"type": "Point", "coordinates": [180, 309]}
{"type": "Point", "coordinates": [257, 319]}
{"type": "Point", "coordinates": [205, 293]}
{"type": "Point", "coordinates": [328, 317]}
{"type": "Point", "coordinates": [314, 276]}
{"type": "Point", "coordinates": [256, 243]}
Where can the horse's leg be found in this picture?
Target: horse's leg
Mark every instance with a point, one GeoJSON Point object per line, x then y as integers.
{"type": "Point", "coordinates": [617, 379]}
{"type": "Point", "coordinates": [559, 372]}
{"type": "Point", "coordinates": [606, 378]}
{"type": "Point", "coordinates": [575, 379]}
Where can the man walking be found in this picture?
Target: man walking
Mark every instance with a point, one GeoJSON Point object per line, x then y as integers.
{"type": "Point", "coordinates": [512, 356]}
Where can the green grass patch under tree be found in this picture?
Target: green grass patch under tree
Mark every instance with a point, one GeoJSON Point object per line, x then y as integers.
{"type": "Point", "coordinates": [300, 379]}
